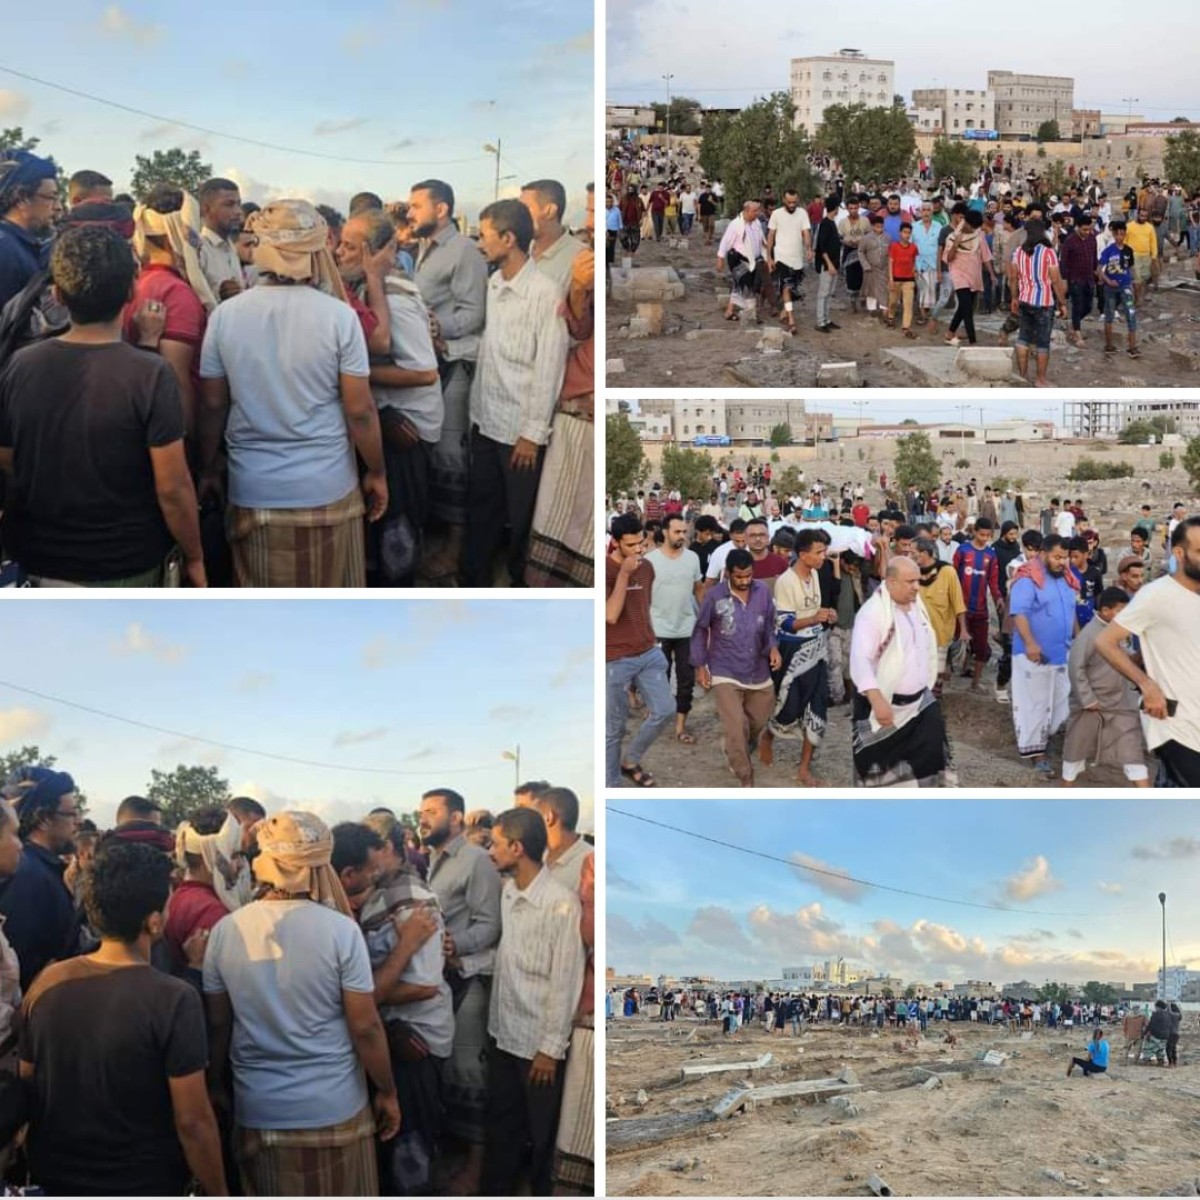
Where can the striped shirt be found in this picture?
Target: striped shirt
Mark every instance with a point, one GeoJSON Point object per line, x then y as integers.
{"type": "Point", "coordinates": [1033, 276]}
{"type": "Point", "coordinates": [539, 969]}
{"type": "Point", "coordinates": [978, 572]}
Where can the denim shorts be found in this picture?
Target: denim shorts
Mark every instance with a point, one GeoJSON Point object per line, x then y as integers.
{"type": "Point", "coordinates": [1115, 298]}
{"type": "Point", "coordinates": [1036, 325]}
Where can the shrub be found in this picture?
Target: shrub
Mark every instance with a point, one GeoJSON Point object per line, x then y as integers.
{"type": "Point", "coordinates": [1087, 469]}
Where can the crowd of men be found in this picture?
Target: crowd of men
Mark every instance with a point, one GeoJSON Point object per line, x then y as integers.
{"type": "Point", "coordinates": [200, 390]}
{"type": "Point", "coordinates": [256, 1004]}
{"type": "Point", "coordinates": [785, 607]}
{"type": "Point", "coordinates": [908, 251]}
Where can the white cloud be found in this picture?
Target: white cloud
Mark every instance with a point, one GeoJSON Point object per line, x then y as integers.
{"type": "Point", "coordinates": [19, 723]}
{"type": "Point", "coordinates": [831, 884]}
{"type": "Point", "coordinates": [355, 737]}
{"type": "Point", "coordinates": [1035, 880]}
{"type": "Point", "coordinates": [719, 927]}
{"type": "Point", "coordinates": [1113, 889]}
{"type": "Point", "coordinates": [13, 104]}
{"type": "Point", "coordinates": [193, 753]}
{"type": "Point", "coordinates": [509, 714]}
{"type": "Point", "coordinates": [139, 640]}
{"type": "Point", "coordinates": [118, 23]}
{"type": "Point", "coordinates": [1180, 847]}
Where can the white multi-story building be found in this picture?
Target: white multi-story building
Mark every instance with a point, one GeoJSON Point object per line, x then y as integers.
{"type": "Point", "coordinates": [1177, 979]}
{"type": "Point", "coordinates": [847, 77]}
{"type": "Point", "coordinates": [1024, 102]}
{"type": "Point", "coordinates": [1185, 413]}
{"type": "Point", "coordinates": [957, 109]}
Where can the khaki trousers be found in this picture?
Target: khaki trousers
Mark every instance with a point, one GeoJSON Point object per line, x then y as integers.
{"type": "Point", "coordinates": [744, 713]}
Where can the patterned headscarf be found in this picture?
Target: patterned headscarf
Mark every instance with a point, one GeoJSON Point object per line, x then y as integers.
{"type": "Point", "coordinates": [291, 241]}
{"type": "Point", "coordinates": [181, 230]}
{"type": "Point", "coordinates": [295, 849]}
{"type": "Point", "coordinates": [217, 850]}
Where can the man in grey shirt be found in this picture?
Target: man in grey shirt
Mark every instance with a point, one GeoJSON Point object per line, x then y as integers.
{"type": "Point", "coordinates": [468, 889]}
{"type": "Point", "coordinates": [452, 276]}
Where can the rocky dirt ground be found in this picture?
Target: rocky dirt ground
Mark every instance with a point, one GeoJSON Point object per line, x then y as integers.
{"type": "Point", "coordinates": [1020, 1129]}
{"type": "Point", "coordinates": [698, 348]}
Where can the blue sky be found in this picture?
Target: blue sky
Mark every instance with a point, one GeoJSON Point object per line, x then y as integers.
{"type": "Point", "coordinates": [721, 63]}
{"type": "Point", "coordinates": [415, 82]}
{"type": "Point", "coordinates": [678, 905]}
{"type": "Point", "coordinates": [435, 689]}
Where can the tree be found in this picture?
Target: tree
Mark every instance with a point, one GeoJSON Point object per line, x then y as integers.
{"type": "Point", "coordinates": [623, 459]}
{"type": "Point", "coordinates": [14, 139]}
{"type": "Point", "coordinates": [787, 483]}
{"type": "Point", "coordinates": [899, 102]}
{"type": "Point", "coordinates": [689, 472]}
{"type": "Point", "coordinates": [956, 160]}
{"type": "Point", "coordinates": [182, 168]}
{"type": "Point", "coordinates": [758, 147]}
{"type": "Point", "coordinates": [1050, 993]}
{"type": "Point", "coordinates": [1143, 429]}
{"type": "Point", "coordinates": [781, 435]}
{"type": "Point", "coordinates": [1048, 131]}
{"type": "Point", "coordinates": [685, 116]}
{"type": "Point", "coordinates": [1166, 460]}
{"type": "Point", "coordinates": [1191, 462]}
{"type": "Point", "coordinates": [1181, 159]}
{"type": "Point", "coordinates": [712, 137]}
{"type": "Point", "coordinates": [1095, 992]}
{"type": "Point", "coordinates": [887, 993]}
{"type": "Point", "coordinates": [910, 992]}
{"type": "Point", "coordinates": [910, 421]}
{"type": "Point", "coordinates": [185, 790]}
{"type": "Point", "coordinates": [32, 756]}
{"type": "Point", "coordinates": [916, 464]}
{"type": "Point", "coordinates": [1054, 179]}
{"type": "Point", "coordinates": [870, 143]}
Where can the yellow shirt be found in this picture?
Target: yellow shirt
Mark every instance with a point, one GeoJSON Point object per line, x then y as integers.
{"type": "Point", "coordinates": [1141, 239]}
{"type": "Point", "coordinates": [944, 602]}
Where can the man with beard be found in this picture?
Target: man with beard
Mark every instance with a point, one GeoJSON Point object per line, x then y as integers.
{"type": "Point", "coordinates": [1042, 602]}
{"type": "Point", "coordinates": [678, 589]}
{"type": "Point", "coordinates": [452, 276]}
{"type": "Point", "coordinates": [554, 250]}
{"type": "Point", "coordinates": [943, 597]}
{"type": "Point", "coordinates": [221, 210]}
{"type": "Point", "coordinates": [1164, 617]}
{"type": "Point", "coordinates": [852, 228]}
{"type": "Point", "coordinates": [468, 892]}
{"type": "Point", "coordinates": [734, 651]}
{"type": "Point", "coordinates": [788, 249]}
{"type": "Point", "coordinates": [539, 975]}
{"type": "Point", "coordinates": [29, 208]}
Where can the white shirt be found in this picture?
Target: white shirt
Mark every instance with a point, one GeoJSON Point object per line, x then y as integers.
{"type": "Point", "coordinates": [1165, 616]}
{"type": "Point", "coordinates": [522, 359]}
{"type": "Point", "coordinates": [557, 261]}
{"type": "Point", "coordinates": [1064, 524]}
{"type": "Point", "coordinates": [219, 260]}
{"type": "Point", "coordinates": [716, 560]}
{"type": "Point", "coordinates": [539, 969]}
{"type": "Point", "coordinates": [744, 237]}
{"type": "Point", "coordinates": [790, 228]}
{"type": "Point", "coordinates": [866, 643]}
{"type": "Point", "coordinates": [687, 203]}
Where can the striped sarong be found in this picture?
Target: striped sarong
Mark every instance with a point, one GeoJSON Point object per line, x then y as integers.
{"type": "Point", "coordinates": [562, 545]}
{"type": "Point", "coordinates": [335, 1160]}
{"type": "Point", "coordinates": [466, 1075]}
{"type": "Point", "coordinates": [299, 547]}
{"type": "Point", "coordinates": [574, 1148]}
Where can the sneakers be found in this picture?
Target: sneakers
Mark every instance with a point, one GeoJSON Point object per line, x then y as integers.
{"type": "Point", "coordinates": [1002, 696]}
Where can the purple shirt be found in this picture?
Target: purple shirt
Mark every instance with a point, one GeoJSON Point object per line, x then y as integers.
{"type": "Point", "coordinates": [734, 639]}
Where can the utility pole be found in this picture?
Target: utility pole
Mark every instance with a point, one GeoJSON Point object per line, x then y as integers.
{"type": "Point", "coordinates": [668, 78]}
{"type": "Point", "coordinates": [496, 191]}
{"type": "Point", "coordinates": [1162, 899]}
{"type": "Point", "coordinates": [1131, 101]}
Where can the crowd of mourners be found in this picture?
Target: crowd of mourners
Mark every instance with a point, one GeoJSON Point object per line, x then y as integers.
{"type": "Point", "coordinates": [786, 606]}
{"type": "Point", "coordinates": [200, 390]}
{"type": "Point", "coordinates": [254, 1003]}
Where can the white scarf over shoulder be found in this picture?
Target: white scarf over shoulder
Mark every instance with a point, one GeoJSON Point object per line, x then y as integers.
{"type": "Point", "coordinates": [891, 660]}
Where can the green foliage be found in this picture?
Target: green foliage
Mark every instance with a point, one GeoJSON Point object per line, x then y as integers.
{"type": "Point", "coordinates": [774, 458]}
{"type": "Point", "coordinates": [1143, 429]}
{"type": "Point", "coordinates": [685, 116]}
{"type": "Point", "coordinates": [910, 421]}
{"type": "Point", "coordinates": [910, 992]}
{"type": "Point", "coordinates": [1041, 152]}
{"type": "Point", "coordinates": [1166, 460]}
{"type": "Point", "coordinates": [871, 143]}
{"type": "Point", "coordinates": [687, 471]}
{"type": "Point", "coordinates": [1000, 483]}
{"type": "Point", "coordinates": [916, 464]}
{"type": "Point", "coordinates": [781, 435]}
{"type": "Point", "coordinates": [623, 457]}
{"type": "Point", "coordinates": [887, 993]}
{"type": "Point", "coordinates": [957, 159]}
{"type": "Point", "coordinates": [1181, 159]}
{"type": "Point", "coordinates": [1049, 993]}
{"type": "Point", "coordinates": [182, 168]}
{"type": "Point", "coordinates": [1088, 469]}
{"type": "Point", "coordinates": [758, 147]}
{"type": "Point", "coordinates": [186, 790]}
{"type": "Point", "coordinates": [1019, 482]}
{"type": "Point", "coordinates": [1095, 992]}
{"type": "Point", "coordinates": [1048, 131]}
{"type": "Point", "coordinates": [14, 138]}
{"type": "Point", "coordinates": [1054, 178]}
{"type": "Point", "coordinates": [1191, 462]}
{"type": "Point", "coordinates": [32, 756]}
{"type": "Point", "coordinates": [962, 463]}
{"type": "Point", "coordinates": [787, 482]}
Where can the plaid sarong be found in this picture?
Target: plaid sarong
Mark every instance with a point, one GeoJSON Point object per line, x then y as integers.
{"type": "Point", "coordinates": [335, 1160]}
{"type": "Point", "coordinates": [561, 547]}
{"type": "Point", "coordinates": [574, 1147]}
{"type": "Point", "coordinates": [299, 547]}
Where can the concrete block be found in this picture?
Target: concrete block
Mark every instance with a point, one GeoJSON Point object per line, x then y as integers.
{"type": "Point", "coordinates": [639, 327]}
{"type": "Point", "coordinates": [614, 366]}
{"type": "Point", "coordinates": [651, 311]}
{"type": "Point", "coordinates": [772, 339]}
{"type": "Point", "coordinates": [842, 374]}
{"type": "Point", "coordinates": [647, 283]}
{"type": "Point", "coordinates": [985, 362]}
{"type": "Point", "coordinates": [696, 335]}
{"type": "Point", "coordinates": [1184, 357]}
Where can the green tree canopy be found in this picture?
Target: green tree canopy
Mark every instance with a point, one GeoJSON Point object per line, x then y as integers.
{"type": "Point", "coordinates": [1191, 462]}
{"type": "Point", "coordinates": [1181, 159]}
{"type": "Point", "coordinates": [1095, 992]}
{"type": "Point", "coordinates": [685, 115]}
{"type": "Point", "coordinates": [1048, 131]}
{"type": "Point", "coordinates": [184, 169]}
{"type": "Point", "coordinates": [1050, 992]}
{"type": "Point", "coordinates": [957, 159]}
{"type": "Point", "coordinates": [14, 138]}
{"type": "Point", "coordinates": [916, 463]}
{"type": "Point", "coordinates": [1142, 429]}
{"type": "Point", "coordinates": [186, 790]}
{"type": "Point", "coordinates": [781, 435]}
{"type": "Point", "coordinates": [870, 143]}
{"type": "Point", "coordinates": [687, 471]}
{"type": "Point", "coordinates": [623, 458]}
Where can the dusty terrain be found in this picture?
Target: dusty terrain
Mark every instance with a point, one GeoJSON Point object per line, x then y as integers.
{"type": "Point", "coordinates": [726, 354]}
{"type": "Point", "coordinates": [1020, 1129]}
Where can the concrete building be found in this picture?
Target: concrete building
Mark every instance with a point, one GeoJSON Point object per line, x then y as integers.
{"type": "Point", "coordinates": [1178, 978]}
{"type": "Point", "coordinates": [926, 120]}
{"type": "Point", "coordinates": [1111, 123]}
{"type": "Point", "coordinates": [1185, 414]}
{"type": "Point", "coordinates": [1092, 418]}
{"type": "Point", "coordinates": [699, 418]}
{"type": "Point", "coordinates": [975, 987]}
{"type": "Point", "coordinates": [630, 118]}
{"type": "Point", "coordinates": [959, 109]}
{"type": "Point", "coordinates": [1023, 102]}
{"type": "Point", "coordinates": [651, 428]}
{"type": "Point", "coordinates": [1085, 123]}
{"type": "Point", "coordinates": [847, 77]}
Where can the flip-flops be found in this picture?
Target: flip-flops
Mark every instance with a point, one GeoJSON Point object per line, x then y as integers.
{"type": "Point", "coordinates": [637, 776]}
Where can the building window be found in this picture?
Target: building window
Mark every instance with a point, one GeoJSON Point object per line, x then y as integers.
{"type": "Point", "coordinates": [827, 75]}
{"type": "Point", "coordinates": [882, 77]}
{"type": "Point", "coordinates": [685, 431]}
{"type": "Point", "coordinates": [827, 94]}
{"type": "Point", "coordinates": [699, 429]}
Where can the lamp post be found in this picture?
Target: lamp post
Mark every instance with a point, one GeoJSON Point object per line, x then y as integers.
{"type": "Point", "coordinates": [668, 78]}
{"type": "Point", "coordinates": [488, 148]}
{"type": "Point", "coordinates": [514, 756]}
{"type": "Point", "coordinates": [1162, 899]}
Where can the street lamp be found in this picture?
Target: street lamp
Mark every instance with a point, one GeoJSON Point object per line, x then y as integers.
{"type": "Point", "coordinates": [514, 756]}
{"type": "Point", "coordinates": [488, 148]}
{"type": "Point", "coordinates": [668, 78]}
{"type": "Point", "coordinates": [1162, 899]}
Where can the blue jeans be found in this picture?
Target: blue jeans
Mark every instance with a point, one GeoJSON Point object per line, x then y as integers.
{"type": "Point", "coordinates": [1080, 295]}
{"type": "Point", "coordinates": [1120, 297]}
{"type": "Point", "coordinates": [648, 672]}
{"type": "Point", "coordinates": [1037, 323]}
{"type": "Point", "coordinates": [685, 223]}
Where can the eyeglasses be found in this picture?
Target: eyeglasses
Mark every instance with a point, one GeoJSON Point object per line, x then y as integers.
{"type": "Point", "coordinates": [67, 812]}
{"type": "Point", "coordinates": [46, 195]}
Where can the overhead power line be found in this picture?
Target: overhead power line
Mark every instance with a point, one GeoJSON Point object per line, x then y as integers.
{"type": "Point", "coordinates": [193, 737]}
{"type": "Point", "coordinates": [843, 878]}
{"type": "Point", "coordinates": [236, 137]}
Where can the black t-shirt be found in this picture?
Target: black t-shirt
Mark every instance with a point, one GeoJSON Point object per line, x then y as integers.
{"type": "Point", "coordinates": [706, 203]}
{"type": "Point", "coordinates": [828, 242]}
{"type": "Point", "coordinates": [104, 1041]}
{"type": "Point", "coordinates": [81, 421]}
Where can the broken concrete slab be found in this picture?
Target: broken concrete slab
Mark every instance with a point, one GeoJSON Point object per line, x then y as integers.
{"type": "Point", "coordinates": [695, 335]}
{"type": "Point", "coordinates": [648, 1131]}
{"type": "Point", "coordinates": [651, 311]}
{"type": "Point", "coordinates": [750, 1098]}
{"type": "Point", "coordinates": [985, 362]}
{"type": "Point", "coordinates": [931, 1084]}
{"type": "Point", "coordinates": [837, 374]}
{"type": "Point", "coordinates": [639, 327]}
{"type": "Point", "coordinates": [614, 366]}
{"type": "Point", "coordinates": [646, 283]}
{"type": "Point", "coordinates": [934, 366]}
{"type": "Point", "coordinates": [1184, 357]}
{"type": "Point", "coordinates": [694, 1072]}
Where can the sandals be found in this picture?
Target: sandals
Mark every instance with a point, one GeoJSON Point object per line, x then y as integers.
{"type": "Point", "coordinates": [685, 738]}
{"type": "Point", "coordinates": [908, 333]}
{"type": "Point", "coordinates": [731, 316]}
{"type": "Point", "coordinates": [1135, 353]}
{"type": "Point", "coordinates": [637, 776]}
{"type": "Point", "coordinates": [1110, 349]}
